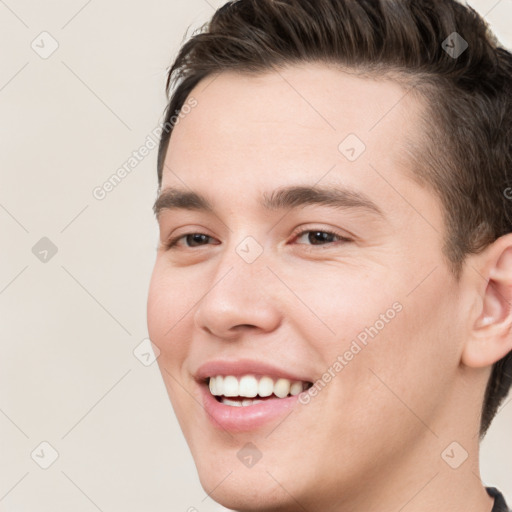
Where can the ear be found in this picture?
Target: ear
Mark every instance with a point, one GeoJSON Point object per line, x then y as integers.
{"type": "Point", "coordinates": [490, 336]}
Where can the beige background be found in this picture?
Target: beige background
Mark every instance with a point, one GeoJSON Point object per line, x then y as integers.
{"type": "Point", "coordinates": [69, 326]}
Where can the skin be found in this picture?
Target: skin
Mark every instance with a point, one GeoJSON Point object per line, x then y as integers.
{"type": "Point", "coordinates": [372, 439]}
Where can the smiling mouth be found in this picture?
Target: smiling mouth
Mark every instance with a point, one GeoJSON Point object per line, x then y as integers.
{"type": "Point", "coordinates": [250, 390]}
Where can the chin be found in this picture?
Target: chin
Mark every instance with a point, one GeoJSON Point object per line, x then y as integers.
{"type": "Point", "coordinates": [243, 493]}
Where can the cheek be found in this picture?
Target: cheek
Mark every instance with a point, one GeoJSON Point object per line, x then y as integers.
{"type": "Point", "coordinates": [392, 387]}
{"type": "Point", "coordinates": [413, 361]}
{"type": "Point", "coordinates": [391, 347]}
{"type": "Point", "coordinates": [169, 329]}
{"type": "Point", "coordinates": [344, 307]}
{"type": "Point", "coordinates": [167, 307]}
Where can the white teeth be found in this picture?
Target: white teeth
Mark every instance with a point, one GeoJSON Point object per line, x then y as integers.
{"type": "Point", "coordinates": [233, 403]}
{"type": "Point", "coordinates": [295, 388]}
{"type": "Point", "coordinates": [213, 387]}
{"type": "Point", "coordinates": [248, 386]}
{"type": "Point", "coordinates": [219, 384]}
{"type": "Point", "coordinates": [242, 403]}
{"type": "Point", "coordinates": [282, 388]}
{"type": "Point", "coordinates": [230, 386]}
{"type": "Point", "coordinates": [248, 401]}
{"type": "Point", "coordinates": [265, 386]}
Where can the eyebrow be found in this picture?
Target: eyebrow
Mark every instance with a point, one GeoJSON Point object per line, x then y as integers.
{"type": "Point", "coordinates": [289, 197]}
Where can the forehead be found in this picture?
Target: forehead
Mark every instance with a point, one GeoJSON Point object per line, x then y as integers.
{"type": "Point", "coordinates": [294, 113]}
{"type": "Point", "coordinates": [299, 124]}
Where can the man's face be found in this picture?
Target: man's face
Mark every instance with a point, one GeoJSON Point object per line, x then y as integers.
{"type": "Point", "coordinates": [369, 312]}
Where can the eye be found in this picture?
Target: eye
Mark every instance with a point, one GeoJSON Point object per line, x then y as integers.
{"type": "Point", "coordinates": [316, 237]}
{"type": "Point", "coordinates": [193, 238]}
{"type": "Point", "coordinates": [321, 237]}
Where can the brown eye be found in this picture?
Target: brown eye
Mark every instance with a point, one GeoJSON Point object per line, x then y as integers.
{"type": "Point", "coordinates": [321, 237]}
{"type": "Point", "coordinates": [192, 240]}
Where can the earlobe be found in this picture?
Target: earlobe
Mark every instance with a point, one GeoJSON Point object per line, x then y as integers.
{"type": "Point", "coordinates": [490, 337]}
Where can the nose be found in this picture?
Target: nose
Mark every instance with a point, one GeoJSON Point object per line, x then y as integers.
{"type": "Point", "coordinates": [240, 297]}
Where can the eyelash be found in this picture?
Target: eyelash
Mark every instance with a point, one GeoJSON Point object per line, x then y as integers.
{"type": "Point", "coordinates": [172, 243]}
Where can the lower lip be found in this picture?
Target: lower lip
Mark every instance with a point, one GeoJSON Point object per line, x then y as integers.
{"type": "Point", "coordinates": [243, 419]}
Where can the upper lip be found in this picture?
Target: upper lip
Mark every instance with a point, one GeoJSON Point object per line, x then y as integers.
{"type": "Point", "coordinates": [240, 367]}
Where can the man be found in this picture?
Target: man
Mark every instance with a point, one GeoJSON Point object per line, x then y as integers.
{"type": "Point", "coordinates": [331, 294]}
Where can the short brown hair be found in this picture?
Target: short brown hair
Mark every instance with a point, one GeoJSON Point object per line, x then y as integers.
{"type": "Point", "coordinates": [467, 154]}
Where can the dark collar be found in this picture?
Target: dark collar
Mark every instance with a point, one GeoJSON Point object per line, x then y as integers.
{"type": "Point", "coordinates": [499, 501]}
